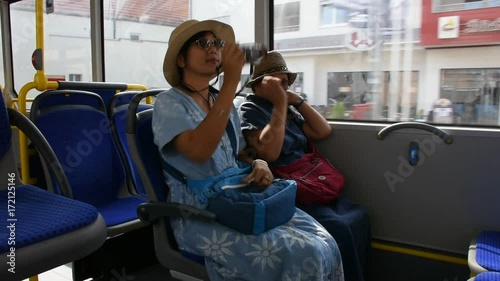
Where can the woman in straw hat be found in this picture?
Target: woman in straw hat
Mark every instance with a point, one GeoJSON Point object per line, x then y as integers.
{"type": "Point", "coordinates": [277, 124]}
{"type": "Point", "coordinates": [189, 124]}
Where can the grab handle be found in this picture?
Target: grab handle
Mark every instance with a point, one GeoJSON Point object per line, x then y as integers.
{"type": "Point", "coordinates": [415, 125]}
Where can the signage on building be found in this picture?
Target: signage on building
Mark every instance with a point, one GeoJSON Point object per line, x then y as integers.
{"type": "Point", "coordinates": [448, 27]}
{"type": "Point", "coordinates": [476, 25]}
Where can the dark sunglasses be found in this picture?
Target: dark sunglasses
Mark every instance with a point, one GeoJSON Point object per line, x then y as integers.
{"type": "Point", "coordinates": [206, 43]}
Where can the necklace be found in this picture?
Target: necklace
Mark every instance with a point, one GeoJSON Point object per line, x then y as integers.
{"type": "Point", "coordinates": [191, 89]}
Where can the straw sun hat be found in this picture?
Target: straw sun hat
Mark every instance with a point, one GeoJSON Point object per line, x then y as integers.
{"type": "Point", "coordinates": [273, 63]}
{"type": "Point", "coordinates": [181, 35]}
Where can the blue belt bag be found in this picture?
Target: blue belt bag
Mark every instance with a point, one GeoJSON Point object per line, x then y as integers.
{"type": "Point", "coordinates": [244, 207]}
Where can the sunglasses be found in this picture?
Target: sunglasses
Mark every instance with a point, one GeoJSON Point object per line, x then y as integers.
{"type": "Point", "coordinates": [207, 43]}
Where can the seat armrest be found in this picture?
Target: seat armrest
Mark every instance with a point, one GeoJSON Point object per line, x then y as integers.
{"type": "Point", "coordinates": [151, 211]}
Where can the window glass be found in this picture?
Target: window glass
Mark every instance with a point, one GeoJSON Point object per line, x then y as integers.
{"type": "Point", "coordinates": [474, 94]}
{"type": "Point", "coordinates": [390, 61]}
{"type": "Point", "coordinates": [287, 17]}
{"type": "Point", "coordinates": [66, 41]}
{"type": "Point", "coordinates": [136, 38]}
{"type": "Point", "coordinates": [136, 35]}
{"type": "Point", "coordinates": [336, 13]}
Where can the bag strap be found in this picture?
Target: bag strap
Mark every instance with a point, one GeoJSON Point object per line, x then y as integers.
{"type": "Point", "coordinates": [171, 170]}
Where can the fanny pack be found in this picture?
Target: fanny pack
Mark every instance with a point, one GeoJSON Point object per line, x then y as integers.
{"type": "Point", "coordinates": [243, 207]}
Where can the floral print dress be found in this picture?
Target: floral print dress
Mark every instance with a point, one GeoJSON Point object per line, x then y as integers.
{"type": "Point", "coordinates": [301, 249]}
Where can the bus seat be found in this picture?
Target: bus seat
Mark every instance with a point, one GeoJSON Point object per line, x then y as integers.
{"type": "Point", "coordinates": [484, 252]}
{"type": "Point", "coordinates": [146, 157]}
{"type": "Point", "coordinates": [118, 109]}
{"type": "Point", "coordinates": [105, 90]}
{"type": "Point", "coordinates": [43, 230]}
{"type": "Point", "coordinates": [76, 125]}
{"type": "Point", "coordinates": [486, 276]}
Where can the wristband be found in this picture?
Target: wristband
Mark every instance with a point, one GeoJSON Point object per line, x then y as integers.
{"type": "Point", "coordinates": [258, 161]}
{"type": "Point", "coordinates": [298, 103]}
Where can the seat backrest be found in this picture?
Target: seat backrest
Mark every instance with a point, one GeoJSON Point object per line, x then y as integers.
{"type": "Point", "coordinates": [49, 229]}
{"type": "Point", "coordinates": [146, 156]}
{"type": "Point", "coordinates": [105, 90]}
{"type": "Point", "coordinates": [118, 110]}
{"type": "Point", "coordinates": [76, 125]}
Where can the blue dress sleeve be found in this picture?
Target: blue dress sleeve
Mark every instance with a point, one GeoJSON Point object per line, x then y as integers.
{"type": "Point", "coordinates": [170, 117]}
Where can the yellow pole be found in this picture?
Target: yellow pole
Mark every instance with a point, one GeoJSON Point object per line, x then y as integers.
{"type": "Point", "coordinates": [40, 83]}
{"type": "Point", "coordinates": [40, 77]}
{"type": "Point", "coordinates": [23, 142]}
{"type": "Point", "coordinates": [149, 100]}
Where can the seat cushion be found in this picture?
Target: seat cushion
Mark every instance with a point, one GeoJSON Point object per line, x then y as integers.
{"type": "Point", "coordinates": [121, 210]}
{"type": "Point", "coordinates": [488, 250]}
{"type": "Point", "coordinates": [37, 215]}
{"type": "Point", "coordinates": [488, 276]}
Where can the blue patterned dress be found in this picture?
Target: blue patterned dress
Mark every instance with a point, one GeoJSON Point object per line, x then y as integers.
{"type": "Point", "coordinates": [299, 250]}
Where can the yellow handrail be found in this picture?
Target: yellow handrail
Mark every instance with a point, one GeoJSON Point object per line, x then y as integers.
{"type": "Point", "coordinates": [419, 253]}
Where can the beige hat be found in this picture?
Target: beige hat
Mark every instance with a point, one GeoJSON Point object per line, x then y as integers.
{"type": "Point", "coordinates": [273, 63]}
{"type": "Point", "coordinates": [181, 34]}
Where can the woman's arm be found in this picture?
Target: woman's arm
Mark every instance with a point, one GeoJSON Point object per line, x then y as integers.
{"type": "Point", "coordinates": [200, 143]}
{"type": "Point", "coordinates": [267, 143]}
{"type": "Point", "coordinates": [316, 126]}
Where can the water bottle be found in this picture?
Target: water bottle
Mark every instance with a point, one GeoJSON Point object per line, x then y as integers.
{"type": "Point", "coordinates": [254, 51]}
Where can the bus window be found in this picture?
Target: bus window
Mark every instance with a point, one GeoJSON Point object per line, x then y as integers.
{"type": "Point", "coordinates": [136, 36]}
{"type": "Point", "coordinates": [240, 15]}
{"type": "Point", "coordinates": [66, 41]}
{"type": "Point", "coordinates": [474, 94]}
{"type": "Point", "coordinates": [392, 60]}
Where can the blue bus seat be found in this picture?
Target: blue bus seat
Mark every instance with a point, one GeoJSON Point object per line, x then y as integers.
{"type": "Point", "coordinates": [43, 230]}
{"type": "Point", "coordinates": [486, 276]}
{"type": "Point", "coordinates": [106, 90]}
{"type": "Point", "coordinates": [484, 252]}
{"type": "Point", "coordinates": [118, 110]}
{"type": "Point", "coordinates": [157, 211]}
{"type": "Point", "coordinates": [80, 134]}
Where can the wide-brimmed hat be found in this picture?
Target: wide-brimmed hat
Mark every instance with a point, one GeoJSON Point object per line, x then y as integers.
{"type": "Point", "coordinates": [273, 63]}
{"type": "Point", "coordinates": [181, 35]}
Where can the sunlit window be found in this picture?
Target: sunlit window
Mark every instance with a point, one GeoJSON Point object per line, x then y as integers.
{"type": "Point", "coordinates": [334, 13]}
{"type": "Point", "coordinates": [474, 93]}
{"type": "Point", "coordinates": [136, 38]}
{"type": "Point", "coordinates": [136, 34]}
{"type": "Point", "coordinates": [66, 40]}
{"type": "Point", "coordinates": [359, 59]}
{"type": "Point", "coordinates": [287, 17]}
{"type": "Point", "coordinates": [350, 97]}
